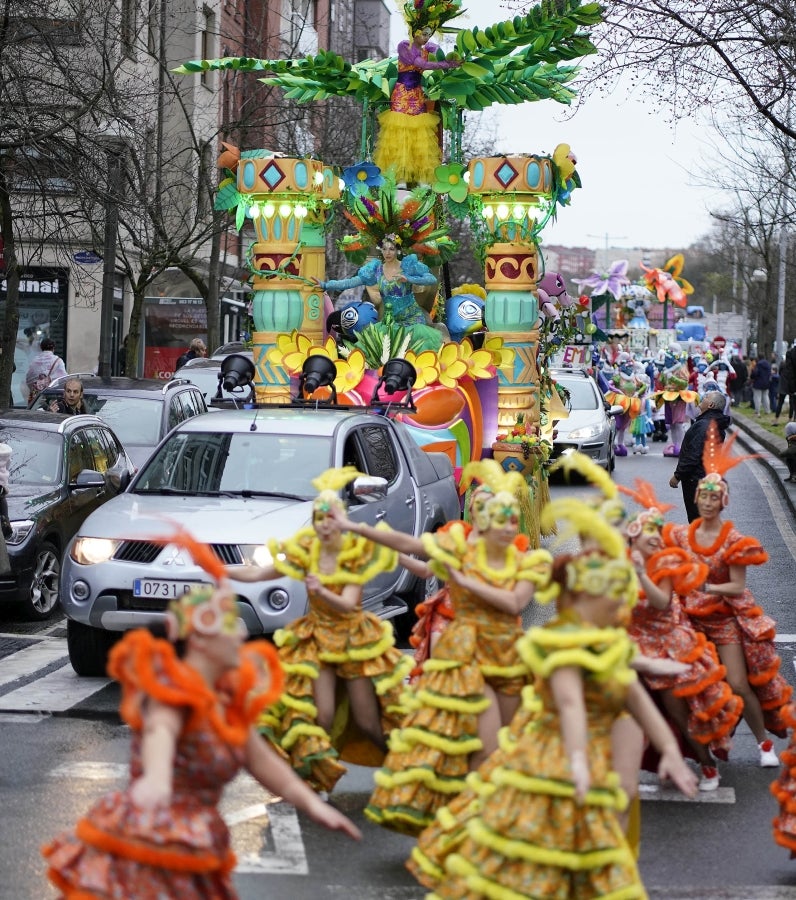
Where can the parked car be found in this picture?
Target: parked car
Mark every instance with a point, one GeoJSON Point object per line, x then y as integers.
{"type": "Point", "coordinates": [139, 410]}
{"type": "Point", "coordinates": [62, 469]}
{"type": "Point", "coordinates": [591, 426]}
{"type": "Point", "coordinates": [204, 373]}
{"type": "Point", "coordinates": [235, 479]}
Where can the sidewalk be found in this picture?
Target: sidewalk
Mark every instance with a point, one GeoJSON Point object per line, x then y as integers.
{"type": "Point", "coordinates": [755, 439]}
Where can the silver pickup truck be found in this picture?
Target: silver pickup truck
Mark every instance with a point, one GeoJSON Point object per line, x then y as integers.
{"type": "Point", "coordinates": [235, 478]}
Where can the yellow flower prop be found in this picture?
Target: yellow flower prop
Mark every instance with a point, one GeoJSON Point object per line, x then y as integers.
{"type": "Point", "coordinates": [469, 288]}
{"type": "Point", "coordinates": [451, 367]}
{"type": "Point", "coordinates": [350, 371]}
{"type": "Point", "coordinates": [478, 362]}
{"type": "Point", "coordinates": [426, 366]}
{"type": "Point", "coordinates": [502, 357]}
{"type": "Point", "coordinates": [562, 159]}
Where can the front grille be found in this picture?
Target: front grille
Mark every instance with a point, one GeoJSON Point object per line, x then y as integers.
{"type": "Point", "coordinates": [146, 552]}
{"type": "Point", "coordinates": [138, 551]}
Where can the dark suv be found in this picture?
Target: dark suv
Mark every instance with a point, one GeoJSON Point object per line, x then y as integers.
{"type": "Point", "coordinates": [62, 469]}
{"type": "Point", "coordinates": [141, 411]}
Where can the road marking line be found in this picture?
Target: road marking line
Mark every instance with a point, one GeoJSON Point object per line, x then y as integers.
{"type": "Point", "coordinates": [266, 836]}
{"type": "Point", "coordinates": [22, 718]}
{"type": "Point", "coordinates": [29, 660]}
{"type": "Point", "coordinates": [785, 639]}
{"type": "Point", "coordinates": [672, 795]}
{"type": "Point", "coordinates": [56, 692]}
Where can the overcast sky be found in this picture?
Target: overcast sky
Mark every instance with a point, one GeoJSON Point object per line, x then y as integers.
{"type": "Point", "coordinates": [635, 167]}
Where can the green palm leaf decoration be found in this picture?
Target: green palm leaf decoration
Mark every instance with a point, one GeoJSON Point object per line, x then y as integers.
{"type": "Point", "coordinates": [509, 62]}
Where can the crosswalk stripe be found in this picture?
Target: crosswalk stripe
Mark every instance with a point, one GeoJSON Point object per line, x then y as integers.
{"type": "Point", "coordinates": [30, 660]}
{"type": "Point", "coordinates": [57, 691]}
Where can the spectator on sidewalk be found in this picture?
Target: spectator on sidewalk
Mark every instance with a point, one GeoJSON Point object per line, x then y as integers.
{"type": "Point", "coordinates": [197, 348]}
{"type": "Point", "coordinates": [789, 453]}
{"type": "Point", "coordinates": [43, 368]}
{"type": "Point", "coordinates": [773, 387]}
{"type": "Point", "coordinates": [761, 378]}
{"type": "Point", "coordinates": [738, 383]}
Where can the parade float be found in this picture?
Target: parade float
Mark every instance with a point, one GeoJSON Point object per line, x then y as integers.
{"type": "Point", "coordinates": [479, 385]}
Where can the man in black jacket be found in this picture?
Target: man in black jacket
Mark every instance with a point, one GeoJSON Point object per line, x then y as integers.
{"type": "Point", "coordinates": [690, 469]}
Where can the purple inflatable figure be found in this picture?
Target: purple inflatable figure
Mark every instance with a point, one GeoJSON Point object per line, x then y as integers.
{"type": "Point", "coordinates": [553, 294]}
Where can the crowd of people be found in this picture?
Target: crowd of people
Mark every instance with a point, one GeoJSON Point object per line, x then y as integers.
{"type": "Point", "coordinates": [512, 757]}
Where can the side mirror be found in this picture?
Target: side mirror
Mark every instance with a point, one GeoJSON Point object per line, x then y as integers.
{"type": "Point", "coordinates": [88, 478]}
{"type": "Point", "coordinates": [369, 487]}
{"type": "Point", "coordinates": [615, 410]}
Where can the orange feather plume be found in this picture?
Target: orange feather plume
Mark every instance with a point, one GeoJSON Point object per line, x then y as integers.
{"type": "Point", "coordinates": [201, 554]}
{"type": "Point", "coordinates": [717, 455]}
{"type": "Point", "coordinates": [644, 495]}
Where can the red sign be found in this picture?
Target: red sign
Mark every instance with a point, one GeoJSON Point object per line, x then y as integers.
{"type": "Point", "coordinates": [719, 342]}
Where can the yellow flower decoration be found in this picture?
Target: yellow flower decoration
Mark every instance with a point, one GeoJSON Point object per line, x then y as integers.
{"type": "Point", "coordinates": [349, 371]}
{"type": "Point", "coordinates": [285, 343]}
{"type": "Point", "coordinates": [451, 367]}
{"type": "Point", "coordinates": [426, 365]}
{"type": "Point", "coordinates": [478, 362]}
{"type": "Point", "coordinates": [561, 157]}
{"type": "Point", "coordinates": [502, 357]}
{"type": "Point", "coordinates": [293, 359]}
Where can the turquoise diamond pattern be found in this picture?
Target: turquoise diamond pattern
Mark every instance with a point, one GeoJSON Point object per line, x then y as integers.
{"type": "Point", "coordinates": [506, 173]}
{"type": "Point", "coordinates": [272, 175]}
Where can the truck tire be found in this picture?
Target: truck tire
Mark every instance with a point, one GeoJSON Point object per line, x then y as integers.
{"type": "Point", "coordinates": [89, 648]}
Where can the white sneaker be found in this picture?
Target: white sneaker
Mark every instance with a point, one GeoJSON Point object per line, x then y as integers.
{"type": "Point", "coordinates": [709, 778]}
{"type": "Point", "coordinates": [768, 755]}
{"type": "Point", "coordinates": [644, 451]}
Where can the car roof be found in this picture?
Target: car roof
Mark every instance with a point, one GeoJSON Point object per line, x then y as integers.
{"type": "Point", "coordinates": [46, 421]}
{"type": "Point", "coordinates": [136, 387]}
{"type": "Point", "coordinates": [275, 419]}
{"type": "Point", "coordinates": [564, 373]}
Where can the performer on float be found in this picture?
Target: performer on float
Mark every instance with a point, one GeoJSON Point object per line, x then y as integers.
{"type": "Point", "coordinates": [336, 642]}
{"type": "Point", "coordinates": [699, 702]}
{"type": "Point", "coordinates": [471, 685]}
{"type": "Point", "coordinates": [408, 140]}
{"type": "Point", "coordinates": [191, 702]}
{"type": "Point", "coordinates": [394, 277]}
{"type": "Point", "coordinates": [723, 607]}
{"type": "Point", "coordinates": [545, 823]}
{"type": "Point", "coordinates": [642, 425]}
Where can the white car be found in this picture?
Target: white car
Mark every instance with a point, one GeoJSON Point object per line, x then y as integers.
{"type": "Point", "coordinates": [591, 426]}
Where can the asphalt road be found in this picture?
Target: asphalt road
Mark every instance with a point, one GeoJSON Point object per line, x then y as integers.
{"type": "Point", "coordinates": [61, 746]}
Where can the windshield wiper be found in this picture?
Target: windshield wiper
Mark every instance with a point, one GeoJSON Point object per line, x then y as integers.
{"type": "Point", "coordinates": [190, 493]}
{"type": "Point", "coordinates": [280, 494]}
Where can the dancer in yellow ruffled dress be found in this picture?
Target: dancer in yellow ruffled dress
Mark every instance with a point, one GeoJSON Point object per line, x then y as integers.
{"type": "Point", "coordinates": [336, 643]}
{"type": "Point", "coordinates": [191, 706]}
{"type": "Point", "coordinates": [543, 822]}
{"type": "Point", "coordinates": [472, 683]}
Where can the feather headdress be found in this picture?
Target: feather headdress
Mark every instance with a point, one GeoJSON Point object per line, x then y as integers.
{"type": "Point", "coordinates": [644, 495]}
{"type": "Point", "coordinates": [718, 459]}
{"type": "Point", "coordinates": [609, 504]}
{"type": "Point", "coordinates": [329, 484]}
{"type": "Point", "coordinates": [201, 554]}
{"type": "Point", "coordinates": [506, 487]}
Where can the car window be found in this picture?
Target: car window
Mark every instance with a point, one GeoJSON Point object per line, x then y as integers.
{"type": "Point", "coordinates": [35, 454]}
{"type": "Point", "coordinates": [379, 452]}
{"type": "Point", "coordinates": [190, 404]}
{"type": "Point", "coordinates": [99, 449]}
{"type": "Point", "coordinates": [134, 420]}
{"type": "Point", "coordinates": [112, 448]}
{"type": "Point", "coordinates": [176, 414]}
{"type": "Point", "coordinates": [80, 455]}
{"type": "Point", "coordinates": [582, 394]}
{"type": "Point", "coordinates": [254, 461]}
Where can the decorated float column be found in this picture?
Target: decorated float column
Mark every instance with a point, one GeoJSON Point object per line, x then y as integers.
{"type": "Point", "coordinates": [286, 199]}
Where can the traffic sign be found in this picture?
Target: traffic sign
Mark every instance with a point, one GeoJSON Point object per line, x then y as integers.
{"type": "Point", "coordinates": [86, 256]}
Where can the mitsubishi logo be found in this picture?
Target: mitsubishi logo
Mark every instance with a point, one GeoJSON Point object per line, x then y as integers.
{"type": "Point", "coordinates": [175, 558]}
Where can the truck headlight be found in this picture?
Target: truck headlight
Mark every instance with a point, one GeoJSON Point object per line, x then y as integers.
{"type": "Point", "coordinates": [256, 555]}
{"type": "Point", "coordinates": [89, 551]}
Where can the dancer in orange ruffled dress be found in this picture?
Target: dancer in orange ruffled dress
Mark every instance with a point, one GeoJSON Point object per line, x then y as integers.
{"type": "Point", "coordinates": [723, 607]}
{"type": "Point", "coordinates": [191, 706]}
{"type": "Point", "coordinates": [784, 789]}
{"type": "Point", "coordinates": [699, 702]}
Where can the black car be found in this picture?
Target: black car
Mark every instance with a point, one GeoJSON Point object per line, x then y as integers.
{"type": "Point", "coordinates": [141, 411]}
{"type": "Point", "coordinates": [62, 469]}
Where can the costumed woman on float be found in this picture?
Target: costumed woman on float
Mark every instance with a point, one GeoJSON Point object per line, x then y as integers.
{"type": "Point", "coordinates": [336, 642]}
{"type": "Point", "coordinates": [191, 702]}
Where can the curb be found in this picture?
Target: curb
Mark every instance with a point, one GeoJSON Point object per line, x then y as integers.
{"type": "Point", "coordinates": [768, 447]}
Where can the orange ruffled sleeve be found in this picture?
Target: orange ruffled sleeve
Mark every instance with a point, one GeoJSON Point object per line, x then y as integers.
{"type": "Point", "coordinates": [146, 666]}
{"type": "Point", "coordinates": [744, 551]}
{"type": "Point", "coordinates": [686, 573]}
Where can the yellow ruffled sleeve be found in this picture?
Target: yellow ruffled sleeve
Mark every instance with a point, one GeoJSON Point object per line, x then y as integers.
{"type": "Point", "coordinates": [445, 548]}
{"type": "Point", "coordinates": [361, 560]}
{"type": "Point", "coordinates": [293, 557]}
{"type": "Point", "coordinates": [602, 652]}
